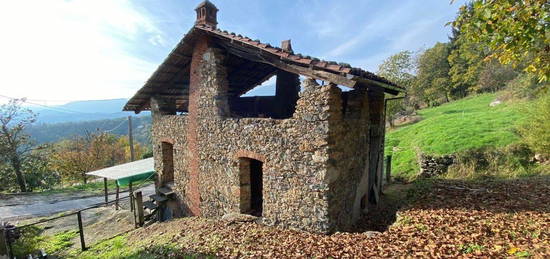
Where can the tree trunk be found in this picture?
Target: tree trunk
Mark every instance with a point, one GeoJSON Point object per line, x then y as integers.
{"type": "Point", "coordinates": [84, 178]}
{"type": "Point", "coordinates": [16, 164]}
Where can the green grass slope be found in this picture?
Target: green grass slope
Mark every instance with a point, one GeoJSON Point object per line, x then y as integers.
{"type": "Point", "coordinates": [452, 127]}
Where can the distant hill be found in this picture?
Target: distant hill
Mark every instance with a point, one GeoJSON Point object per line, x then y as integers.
{"type": "Point", "coordinates": [81, 111]}
{"type": "Point", "coordinates": [53, 132]}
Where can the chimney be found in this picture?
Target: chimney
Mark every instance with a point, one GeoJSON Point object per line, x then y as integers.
{"type": "Point", "coordinates": [286, 46]}
{"type": "Point", "coordinates": [206, 14]}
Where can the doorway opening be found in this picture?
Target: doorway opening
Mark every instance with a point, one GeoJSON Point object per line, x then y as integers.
{"type": "Point", "coordinates": [167, 162]}
{"type": "Point", "coordinates": [251, 186]}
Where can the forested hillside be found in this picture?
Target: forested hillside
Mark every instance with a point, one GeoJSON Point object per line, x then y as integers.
{"type": "Point", "coordinates": [53, 132]}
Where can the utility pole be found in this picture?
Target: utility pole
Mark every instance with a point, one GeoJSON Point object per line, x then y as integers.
{"type": "Point", "coordinates": [131, 138]}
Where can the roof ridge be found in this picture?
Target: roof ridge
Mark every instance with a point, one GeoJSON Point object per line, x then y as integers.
{"type": "Point", "coordinates": [301, 58]}
{"type": "Point", "coordinates": [341, 73]}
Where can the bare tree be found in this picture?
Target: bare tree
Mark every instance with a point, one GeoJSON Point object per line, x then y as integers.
{"type": "Point", "coordinates": [15, 145]}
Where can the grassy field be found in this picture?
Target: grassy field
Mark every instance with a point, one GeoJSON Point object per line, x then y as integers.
{"type": "Point", "coordinates": [464, 124]}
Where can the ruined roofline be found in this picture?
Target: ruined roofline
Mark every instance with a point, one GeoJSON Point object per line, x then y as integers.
{"type": "Point", "coordinates": [179, 58]}
{"type": "Point", "coordinates": [316, 63]}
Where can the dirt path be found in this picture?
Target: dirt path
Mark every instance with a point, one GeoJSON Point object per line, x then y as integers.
{"type": "Point", "coordinates": [31, 198]}
{"type": "Point", "coordinates": [45, 205]}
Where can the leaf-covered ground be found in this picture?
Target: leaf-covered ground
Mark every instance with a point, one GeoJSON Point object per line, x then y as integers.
{"type": "Point", "coordinates": [448, 219]}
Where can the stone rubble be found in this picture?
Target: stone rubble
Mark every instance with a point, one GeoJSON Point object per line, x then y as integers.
{"type": "Point", "coordinates": [431, 166]}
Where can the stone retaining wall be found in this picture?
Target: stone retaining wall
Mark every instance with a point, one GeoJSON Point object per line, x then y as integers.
{"type": "Point", "coordinates": [431, 166]}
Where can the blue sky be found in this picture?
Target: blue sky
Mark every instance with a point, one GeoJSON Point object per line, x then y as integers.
{"type": "Point", "coordinates": [54, 51]}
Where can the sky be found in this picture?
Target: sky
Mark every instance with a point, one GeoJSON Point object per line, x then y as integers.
{"type": "Point", "coordinates": [56, 51]}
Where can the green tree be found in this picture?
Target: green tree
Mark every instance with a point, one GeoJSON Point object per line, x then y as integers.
{"type": "Point", "coordinates": [38, 170]}
{"type": "Point", "coordinates": [465, 59]}
{"type": "Point", "coordinates": [516, 32]}
{"type": "Point", "coordinates": [15, 145]}
{"type": "Point", "coordinates": [432, 80]}
{"type": "Point", "coordinates": [400, 69]}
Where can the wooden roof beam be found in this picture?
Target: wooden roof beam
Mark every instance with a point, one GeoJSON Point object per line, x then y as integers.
{"type": "Point", "coordinates": [264, 57]}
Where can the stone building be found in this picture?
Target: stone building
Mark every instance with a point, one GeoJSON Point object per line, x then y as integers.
{"type": "Point", "coordinates": [309, 157]}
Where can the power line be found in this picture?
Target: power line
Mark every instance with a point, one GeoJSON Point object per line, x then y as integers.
{"type": "Point", "coordinates": [58, 109]}
{"type": "Point", "coordinates": [63, 110]}
{"type": "Point", "coordinates": [122, 122]}
{"type": "Point", "coordinates": [51, 101]}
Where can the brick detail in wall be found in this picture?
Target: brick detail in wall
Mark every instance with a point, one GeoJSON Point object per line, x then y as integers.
{"type": "Point", "coordinates": [192, 188]}
{"type": "Point", "coordinates": [167, 140]}
{"type": "Point", "coordinates": [250, 154]}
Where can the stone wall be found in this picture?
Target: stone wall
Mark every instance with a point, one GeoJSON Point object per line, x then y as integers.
{"type": "Point", "coordinates": [348, 154]}
{"type": "Point", "coordinates": [355, 143]}
{"type": "Point", "coordinates": [431, 166]}
{"type": "Point", "coordinates": [315, 164]}
{"type": "Point", "coordinates": [294, 152]}
{"type": "Point", "coordinates": [171, 129]}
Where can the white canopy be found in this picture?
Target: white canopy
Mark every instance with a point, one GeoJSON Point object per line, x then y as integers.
{"type": "Point", "coordinates": [126, 170]}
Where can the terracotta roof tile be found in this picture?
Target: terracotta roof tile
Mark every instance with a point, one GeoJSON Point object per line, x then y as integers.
{"type": "Point", "coordinates": [140, 99]}
{"type": "Point", "coordinates": [330, 65]}
{"type": "Point", "coordinates": [307, 60]}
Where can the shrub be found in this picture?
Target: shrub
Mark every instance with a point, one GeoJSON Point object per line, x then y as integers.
{"type": "Point", "coordinates": [38, 175]}
{"type": "Point", "coordinates": [524, 86]}
{"type": "Point", "coordinates": [493, 77]}
{"type": "Point", "coordinates": [34, 239]}
{"type": "Point", "coordinates": [507, 162]}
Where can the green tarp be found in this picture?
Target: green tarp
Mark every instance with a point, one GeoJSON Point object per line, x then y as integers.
{"type": "Point", "coordinates": [128, 172]}
{"type": "Point", "coordinates": [135, 178]}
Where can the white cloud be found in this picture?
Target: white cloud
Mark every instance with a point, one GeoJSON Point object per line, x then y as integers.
{"type": "Point", "coordinates": [379, 24]}
{"type": "Point", "coordinates": [415, 37]}
{"type": "Point", "coordinates": [383, 30]}
{"type": "Point", "coordinates": [72, 49]}
{"type": "Point", "coordinates": [331, 23]}
{"type": "Point", "coordinates": [86, 49]}
{"type": "Point", "coordinates": [157, 40]}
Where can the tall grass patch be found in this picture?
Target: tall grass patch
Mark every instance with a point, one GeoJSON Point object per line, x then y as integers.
{"type": "Point", "coordinates": [535, 130]}
{"type": "Point", "coordinates": [515, 160]}
{"type": "Point", "coordinates": [33, 239]}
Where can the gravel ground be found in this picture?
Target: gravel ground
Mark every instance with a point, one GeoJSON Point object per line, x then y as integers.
{"type": "Point", "coordinates": [21, 207]}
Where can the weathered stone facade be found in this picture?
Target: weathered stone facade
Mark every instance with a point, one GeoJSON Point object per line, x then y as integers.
{"type": "Point", "coordinates": [315, 164]}
{"type": "Point", "coordinates": [309, 157]}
